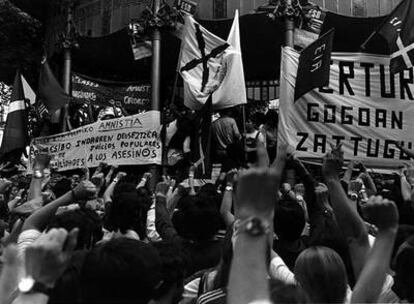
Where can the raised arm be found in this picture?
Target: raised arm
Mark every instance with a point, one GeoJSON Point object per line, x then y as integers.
{"type": "Point", "coordinates": [255, 201]}
{"type": "Point", "coordinates": [109, 191]}
{"type": "Point", "coordinates": [384, 215]}
{"type": "Point", "coordinates": [41, 162]}
{"type": "Point", "coordinates": [40, 218]}
{"type": "Point", "coordinates": [227, 200]}
{"type": "Point", "coordinates": [347, 217]}
{"type": "Point", "coordinates": [163, 223]}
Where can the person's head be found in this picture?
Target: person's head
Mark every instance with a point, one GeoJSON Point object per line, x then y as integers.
{"type": "Point", "coordinates": [61, 187]}
{"type": "Point", "coordinates": [196, 220]}
{"type": "Point", "coordinates": [289, 220]}
{"type": "Point", "coordinates": [404, 271]}
{"type": "Point", "coordinates": [121, 271]}
{"type": "Point", "coordinates": [174, 263]}
{"type": "Point", "coordinates": [229, 112]}
{"type": "Point", "coordinates": [14, 190]}
{"type": "Point", "coordinates": [88, 222]}
{"type": "Point", "coordinates": [321, 273]}
{"type": "Point", "coordinates": [126, 212]}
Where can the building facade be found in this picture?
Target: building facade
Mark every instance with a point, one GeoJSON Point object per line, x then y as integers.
{"type": "Point", "coordinates": [102, 17]}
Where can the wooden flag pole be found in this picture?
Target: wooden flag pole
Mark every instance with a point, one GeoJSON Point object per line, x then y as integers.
{"type": "Point", "coordinates": [155, 78]}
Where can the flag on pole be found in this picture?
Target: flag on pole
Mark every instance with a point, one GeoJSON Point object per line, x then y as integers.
{"type": "Point", "coordinates": [210, 65]}
{"type": "Point", "coordinates": [15, 136]}
{"type": "Point", "coordinates": [201, 142]}
{"type": "Point", "coordinates": [398, 31]}
{"type": "Point", "coordinates": [201, 63]}
{"type": "Point", "coordinates": [50, 91]}
{"type": "Point", "coordinates": [28, 91]}
{"type": "Point", "coordinates": [232, 91]}
{"type": "Point", "coordinates": [314, 65]}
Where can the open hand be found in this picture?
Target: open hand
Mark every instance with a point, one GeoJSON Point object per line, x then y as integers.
{"type": "Point", "coordinates": [333, 162]}
{"type": "Point", "coordinates": [41, 161]}
{"type": "Point", "coordinates": [256, 193]}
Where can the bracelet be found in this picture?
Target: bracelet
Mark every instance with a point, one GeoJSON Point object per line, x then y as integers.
{"type": "Point", "coordinates": [115, 180]}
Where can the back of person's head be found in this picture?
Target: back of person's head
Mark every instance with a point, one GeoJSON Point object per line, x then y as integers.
{"type": "Point", "coordinates": [321, 272]}
{"type": "Point", "coordinates": [281, 292]}
{"type": "Point", "coordinates": [126, 212]}
{"type": "Point", "coordinates": [404, 271]}
{"type": "Point", "coordinates": [197, 220]}
{"type": "Point", "coordinates": [61, 187]}
{"type": "Point", "coordinates": [174, 263]}
{"type": "Point", "coordinates": [88, 222]}
{"type": "Point", "coordinates": [289, 220]}
{"type": "Point", "coordinates": [210, 194]}
{"type": "Point", "coordinates": [121, 271]}
{"type": "Point", "coordinates": [123, 187]}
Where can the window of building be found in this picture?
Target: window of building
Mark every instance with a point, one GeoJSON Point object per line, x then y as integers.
{"type": "Point", "coordinates": [219, 9]}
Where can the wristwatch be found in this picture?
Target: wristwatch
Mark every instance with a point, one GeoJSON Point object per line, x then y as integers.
{"type": "Point", "coordinates": [253, 226]}
{"type": "Point", "coordinates": [37, 173]}
{"type": "Point", "coordinates": [28, 285]}
{"type": "Point", "coordinates": [229, 188]}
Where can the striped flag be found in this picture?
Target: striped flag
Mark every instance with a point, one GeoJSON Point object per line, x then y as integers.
{"type": "Point", "coordinates": [15, 136]}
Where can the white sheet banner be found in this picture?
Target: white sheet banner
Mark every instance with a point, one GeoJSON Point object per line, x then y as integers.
{"type": "Point", "coordinates": [364, 108]}
{"type": "Point", "coordinates": [132, 140]}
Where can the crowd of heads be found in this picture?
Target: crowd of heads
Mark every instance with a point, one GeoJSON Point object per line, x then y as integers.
{"type": "Point", "coordinates": [176, 242]}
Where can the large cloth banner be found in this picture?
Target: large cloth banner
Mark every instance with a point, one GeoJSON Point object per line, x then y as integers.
{"type": "Point", "coordinates": [132, 140]}
{"type": "Point", "coordinates": [365, 108]}
{"type": "Point", "coordinates": [133, 98]}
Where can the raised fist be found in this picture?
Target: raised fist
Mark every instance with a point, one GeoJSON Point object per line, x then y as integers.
{"type": "Point", "coordinates": [381, 212]}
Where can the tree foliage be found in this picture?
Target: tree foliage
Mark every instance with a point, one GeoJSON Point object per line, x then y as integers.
{"type": "Point", "coordinates": [21, 42]}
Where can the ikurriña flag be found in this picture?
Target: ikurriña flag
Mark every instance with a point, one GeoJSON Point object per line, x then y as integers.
{"type": "Point", "coordinates": [314, 65]}
{"type": "Point", "coordinates": [15, 136]}
{"type": "Point", "coordinates": [398, 31]}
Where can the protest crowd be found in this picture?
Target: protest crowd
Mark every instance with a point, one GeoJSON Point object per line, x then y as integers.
{"type": "Point", "coordinates": [256, 235]}
{"type": "Point", "coordinates": [211, 199]}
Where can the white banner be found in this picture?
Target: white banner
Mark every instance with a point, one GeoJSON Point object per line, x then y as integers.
{"type": "Point", "coordinates": [364, 108]}
{"type": "Point", "coordinates": [132, 140]}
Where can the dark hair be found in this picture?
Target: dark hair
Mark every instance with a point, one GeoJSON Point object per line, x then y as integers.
{"type": "Point", "coordinates": [88, 222]}
{"type": "Point", "coordinates": [121, 271]}
{"type": "Point", "coordinates": [174, 264]}
{"type": "Point", "coordinates": [321, 273]}
{"type": "Point", "coordinates": [272, 118]}
{"type": "Point", "coordinates": [289, 220]}
{"type": "Point", "coordinates": [196, 219]}
{"type": "Point", "coordinates": [123, 187]}
{"type": "Point", "coordinates": [127, 212]}
{"type": "Point", "coordinates": [404, 271]}
{"type": "Point", "coordinates": [61, 187]}
{"type": "Point", "coordinates": [281, 292]}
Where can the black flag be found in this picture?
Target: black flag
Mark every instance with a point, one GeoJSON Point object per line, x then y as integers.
{"type": "Point", "coordinates": [398, 31]}
{"type": "Point", "coordinates": [15, 136]}
{"type": "Point", "coordinates": [201, 142]}
{"type": "Point", "coordinates": [314, 65]}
